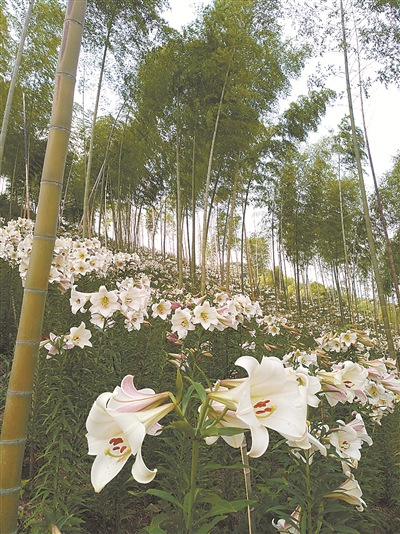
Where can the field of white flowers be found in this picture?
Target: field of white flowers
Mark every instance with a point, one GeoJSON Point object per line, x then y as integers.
{"type": "Point", "coordinates": [157, 409]}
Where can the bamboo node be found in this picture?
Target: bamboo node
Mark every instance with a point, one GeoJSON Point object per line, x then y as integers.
{"type": "Point", "coordinates": [9, 490]}
{"type": "Point", "coordinates": [12, 441]}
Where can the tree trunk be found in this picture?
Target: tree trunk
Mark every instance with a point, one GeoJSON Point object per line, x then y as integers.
{"type": "Point", "coordinates": [193, 257]}
{"type": "Point", "coordinates": [16, 414]}
{"type": "Point", "coordinates": [243, 235]}
{"type": "Point", "coordinates": [91, 143]}
{"type": "Point", "coordinates": [27, 211]}
{"type": "Point", "coordinates": [378, 279]}
{"type": "Point", "coordinates": [206, 194]}
{"type": "Point", "coordinates": [230, 224]}
{"type": "Point", "coordinates": [13, 82]}
{"type": "Point", "coordinates": [178, 211]}
{"type": "Point", "coordinates": [378, 196]}
{"type": "Point", "coordinates": [346, 259]}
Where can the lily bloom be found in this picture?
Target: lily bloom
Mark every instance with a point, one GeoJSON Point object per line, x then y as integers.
{"type": "Point", "coordinates": [267, 398]}
{"type": "Point", "coordinates": [182, 322]}
{"type": "Point", "coordinates": [205, 315]}
{"type": "Point", "coordinates": [104, 302]}
{"type": "Point", "coordinates": [79, 336]}
{"type": "Point", "coordinates": [350, 492]}
{"type": "Point", "coordinates": [161, 309]}
{"type": "Point", "coordinates": [117, 425]}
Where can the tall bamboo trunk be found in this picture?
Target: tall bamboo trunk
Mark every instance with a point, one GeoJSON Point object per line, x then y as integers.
{"type": "Point", "coordinates": [378, 279]}
{"type": "Point", "coordinates": [14, 77]}
{"type": "Point", "coordinates": [371, 164]}
{"type": "Point", "coordinates": [206, 194]}
{"type": "Point", "coordinates": [91, 143]}
{"type": "Point", "coordinates": [15, 422]}
{"type": "Point", "coordinates": [27, 211]}
{"type": "Point", "coordinates": [346, 259]}
{"type": "Point", "coordinates": [230, 224]}
{"type": "Point", "coordinates": [193, 257]}
{"type": "Point", "coordinates": [179, 241]}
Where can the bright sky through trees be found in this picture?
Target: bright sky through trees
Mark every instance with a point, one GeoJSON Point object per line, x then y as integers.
{"type": "Point", "coordinates": [382, 107]}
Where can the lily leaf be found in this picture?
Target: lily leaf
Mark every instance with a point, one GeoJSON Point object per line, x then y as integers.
{"type": "Point", "coordinates": [164, 495]}
{"type": "Point", "coordinates": [200, 391]}
{"type": "Point", "coordinates": [179, 386]}
{"type": "Point", "coordinates": [185, 427]}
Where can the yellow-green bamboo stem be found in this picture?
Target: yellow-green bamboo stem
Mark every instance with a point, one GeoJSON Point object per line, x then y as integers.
{"type": "Point", "coordinates": [15, 422]}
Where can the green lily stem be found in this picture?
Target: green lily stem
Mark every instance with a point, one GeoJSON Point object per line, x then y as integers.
{"type": "Point", "coordinates": [195, 461]}
{"type": "Point", "coordinates": [192, 493]}
{"type": "Point", "coordinates": [308, 493]}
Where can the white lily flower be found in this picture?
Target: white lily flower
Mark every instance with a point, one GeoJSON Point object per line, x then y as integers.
{"type": "Point", "coordinates": [350, 492]}
{"type": "Point", "coordinates": [104, 302]}
{"type": "Point", "coordinates": [268, 398]}
{"type": "Point", "coordinates": [161, 309]}
{"type": "Point", "coordinates": [117, 425]}
{"type": "Point", "coordinates": [206, 315]}
{"type": "Point", "coordinates": [79, 336]}
{"type": "Point", "coordinates": [346, 442]}
{"type": "Point", "coordinates": [182, 322]}
{"type": "Point", "coordinates": [78, 300]}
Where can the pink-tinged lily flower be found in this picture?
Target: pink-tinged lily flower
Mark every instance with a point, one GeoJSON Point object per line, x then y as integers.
{"type": "Point", "coordinates": [358, 424]}
{"type": "Point", "coordinates": [350, 492]}
{"type": "Point", "coordinates": [284, 526]}
{"type": "Point", "coordinates": [346, 442]}
{"type": "Point", "coordinates": [391, 383]}
{"type": "Point", "coordinates": [268, 398]}
{"type": "Point", "coordinates": [117, 425]}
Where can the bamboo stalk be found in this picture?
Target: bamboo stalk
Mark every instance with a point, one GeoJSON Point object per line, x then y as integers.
{"type": "Point", "coordinates": [371, 242]}
{"type": "Point", "coordinates": [15, 423]}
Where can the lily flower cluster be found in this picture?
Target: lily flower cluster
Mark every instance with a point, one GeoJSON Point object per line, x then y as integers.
{"type": "Point", "coordinates": [135, 300]}
{"type": "Point", "coordinates": [269, 398]}
{"type": "Point", "coordinates": [72, 258]}
{"type": "Point", "coordinates": [373, 383]}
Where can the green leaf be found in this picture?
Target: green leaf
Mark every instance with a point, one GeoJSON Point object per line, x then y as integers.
{"type": "Point", "coordinates": [185, 427]}
{"type": "Point", "coordinates": [179, 385]}
{"type": "Point", "coordinates": [200, 391]}
{"type": "Point", "coordinates": [229, 431]}
{"type": "Point", "coordinates": [164, 495]}
{"type": "Point", "coordinates": [236, 466]}
{"type": "Point", "coordinates": [154, 527]}
{"type": "Point", "coordinates": [205, 529]}
{"type": "Point", "coordinates": [186, 398]}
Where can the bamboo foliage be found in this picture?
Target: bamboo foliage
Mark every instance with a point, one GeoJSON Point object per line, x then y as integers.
{"type": "Point", "coordinates": [14, 428]}
{"type": "Point", "coordinates": [13, 82]}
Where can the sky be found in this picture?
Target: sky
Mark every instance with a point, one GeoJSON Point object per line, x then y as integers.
{"type": "Point", "coordinates": [382, 108]}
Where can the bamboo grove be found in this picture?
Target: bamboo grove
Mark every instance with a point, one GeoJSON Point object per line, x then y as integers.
{"type": "Point", "coordinates": [188, 142]}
